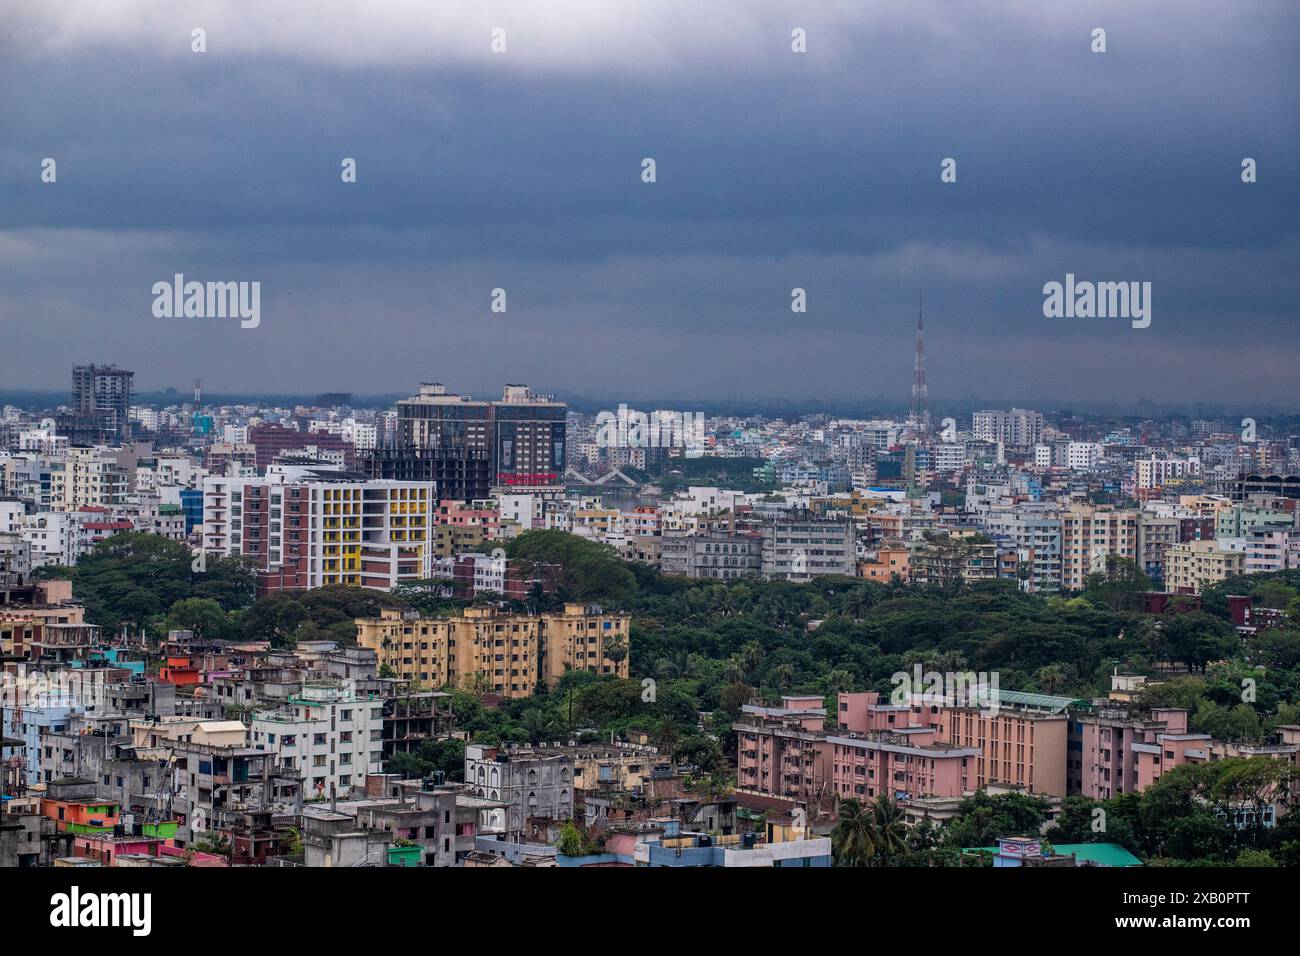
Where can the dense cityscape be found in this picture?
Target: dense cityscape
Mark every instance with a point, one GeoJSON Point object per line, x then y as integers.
{"type": "Point", "coordinates": [458, 632]}
{"type": "Point", "coordinates": [853, 438]}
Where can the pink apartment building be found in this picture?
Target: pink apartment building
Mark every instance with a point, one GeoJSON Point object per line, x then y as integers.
{"type": "Point", "coordinates": [1022, 744]}
{"type": "Point", "coordinates": [929, 749]}
{"type": "Point", "coordinates": [782, 749]}
{"type": "Point", "coordinates": [1107, 762]}
{"type": "Point", "coordinates": [924, 749]}
{"type": "Point", "coordinates": [474, 515]}
{"type": "Point", "coordinates": [900, 764]}
{"type": "Point", "coordinates": [1167, 751]}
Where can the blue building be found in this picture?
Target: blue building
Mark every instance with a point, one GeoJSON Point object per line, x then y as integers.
{"type": "Point", "coordinates": [192, 505]}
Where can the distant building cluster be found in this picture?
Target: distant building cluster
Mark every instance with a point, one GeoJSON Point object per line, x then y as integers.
{"type": "Point", "coordinates": [203, 752]}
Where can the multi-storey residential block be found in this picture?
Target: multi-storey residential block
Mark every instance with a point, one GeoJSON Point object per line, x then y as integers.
{"type": "Point", "coordinates": [917, 749]}
{"type": "Point", "coordinates": [1167, 750]}
{"type": "Point", "coordinates": [1239, 521]}
{"type": "Point", "coordinates": [1020, 743]}
{"type": "Point", "coordinates": [490, 651]}
{"type": "Point", "coordinates": [1017, 428]}
{"type": "Point", "coordinates": [1089, 533]}
{"type": "Point", "coordinates": [782, 749]}
{"type": "Point", "coordinates": [1035, 532]}
{"type": "Point", "coordinates": [1103, 762]}
{"type": "Point", "coordinates": [1157, 472]}
{"type": "Point", "coordinates": [712, 555]}
{"type": "Point", "coordinates": [101, 401]}
{"type": "Point", "coordinates": [801, 547]}
{"type": "Point", "coordinates": [271, 441]}
{"type": "Point", "coordinates": [1272, 549]}
{"type": "Point", "coordinates": [1156, 533]}
{"type": "Point", "coordinates": [1190, 567]}
{"type": "Point", "coordinates": [900, 765]}
{"type": "Point", "coordinates": [327, 734]}
{"type": "Point", "coordinates": [333, 529]}
{"type": "Point", "coordinates": [1082, 455]}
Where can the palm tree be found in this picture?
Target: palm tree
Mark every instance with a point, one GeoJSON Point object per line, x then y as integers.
{"type": "Point", "coordinates": [783, 675]}
{"type": "Point", "coordinates": [857, 602]}
{"type": "Point", "coordinates": [839, 680]}
{"type": "Point", "coordinates": [728, 603]}
{"type": "Point", "coordinates": [890, 829]}
{"type": "Point", "coordinates": [682, 661]}
{"type": "Point", "coordinates": [854, 839]}
{"type": "Point", "coordinates": [536, 724]}
{"type": "Point", "coordinates": [665, 736]}
{"type": "Point", "coordinates": [1051, 678]}
{"type": "Point", "coordinates": [616, 649]}
{"type": "Point", "coordinates": [733, 670]}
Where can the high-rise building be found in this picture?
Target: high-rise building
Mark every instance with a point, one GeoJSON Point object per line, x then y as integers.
{"type": "Point", "coordinates": [528, 439]}
{"type": "Point", "coordinates": [101, 403]}
{"type": "Point", "coordinates": [335, 528]}
{"type": "Point", "coordinates": [1090, 534]}
{"type": "Point", "coordinates": [469, 447]}
{"type": "Point", "coordinates": [1017, 428]}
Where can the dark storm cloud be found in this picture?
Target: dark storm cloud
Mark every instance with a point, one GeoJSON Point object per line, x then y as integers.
{"type": "Point", "coordinates": [774, 171]}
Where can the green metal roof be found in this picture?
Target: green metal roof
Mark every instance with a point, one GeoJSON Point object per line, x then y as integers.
{"type": "Point", "coordinates": [1046, 702]}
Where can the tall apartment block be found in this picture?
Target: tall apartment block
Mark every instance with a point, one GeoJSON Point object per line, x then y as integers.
{"type": "Point", "coordinates": [802, 546]}
{"type": "Point", "coordinates": [1017, 428]}
{"type": "Point", "coordinates": [334, 529]}
{"type": "Point", "coordinates": [1089, 533]}
{"type": "Point", "coordinates": [101, 403]}
{"type": "Point", "coordinates": [469, 447]}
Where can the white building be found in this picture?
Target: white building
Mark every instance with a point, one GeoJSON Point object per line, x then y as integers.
{"type": "Point", "coordinates": [1155, 472]}
{"type": "Point", "coordinates": [56, 537]}
{"type": "Point", "coordinates": [326, 734]}
{"type": "Point", "coordinates": [1083, 455]}
{"type": "Point", "coordinates": [322, 531]}
{"type": "Point", "coordinates": [1017, 428]}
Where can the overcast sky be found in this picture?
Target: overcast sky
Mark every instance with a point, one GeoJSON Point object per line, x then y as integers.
{"type": "Point", "coordinates": [522, 170]}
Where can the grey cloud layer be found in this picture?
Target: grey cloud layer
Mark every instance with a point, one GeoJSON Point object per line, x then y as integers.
{"type": "Point", "coordinates": [775, 171]}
